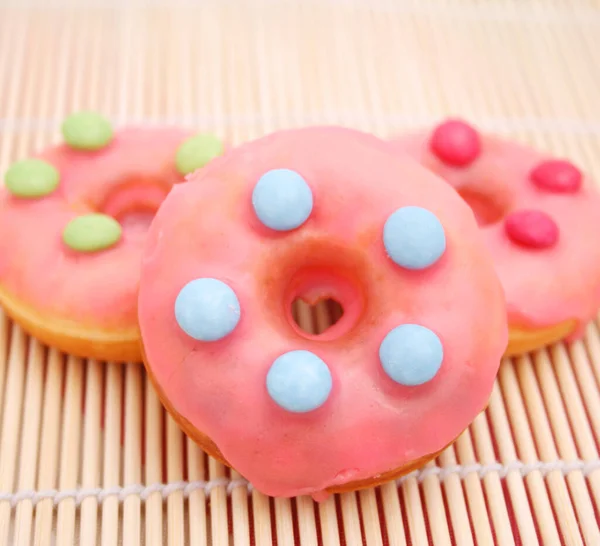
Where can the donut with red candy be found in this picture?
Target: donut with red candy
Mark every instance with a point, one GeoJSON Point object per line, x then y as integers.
{"type": "Point", "coordinates": [538, 214]}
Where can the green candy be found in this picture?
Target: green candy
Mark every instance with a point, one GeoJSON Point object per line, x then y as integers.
{"type": "Point", "coordinates": [87, 131]}
{"type": "Point", "coordinates": [92, 232]}
{"type": "Point", "coordinates": [31, 178]}
{"type": "Point", "coordinates": [196, 152]}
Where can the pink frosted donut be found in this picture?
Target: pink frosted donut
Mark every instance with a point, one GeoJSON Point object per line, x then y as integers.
{"type": "Point", "coordinates": [319, 213]}
{"type": "Point", "coordinates": [538, 215]}
{"type": "Point", "coordinates": [73, 221]}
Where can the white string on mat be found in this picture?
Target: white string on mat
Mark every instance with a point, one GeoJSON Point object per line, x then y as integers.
{"type": "Point", "coordinates": [536, 125]}
{"type": "Point", "coordinates": [166, 489]}
{"type": "Point", "coordinates": [484, 12]}
{"type": "Point", "coordinates": [456, 11]}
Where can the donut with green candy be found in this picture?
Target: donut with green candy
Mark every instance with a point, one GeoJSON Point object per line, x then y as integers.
{"type": "Point", "coordinates": [73, 223]}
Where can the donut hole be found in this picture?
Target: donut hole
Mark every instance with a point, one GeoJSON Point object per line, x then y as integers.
{"type": "Point", "coordinates": [324, 303]}
{"type": "Point", "coordinates": [137, 218]}
{"type": "Point", "coordinates": [488, 209]}
{"type": "Point", "coordinates": [316, 318]}
{"type": "Point", "coordinates": [133, 204]}
{"type": "Point", "coordinates": [320, 287]}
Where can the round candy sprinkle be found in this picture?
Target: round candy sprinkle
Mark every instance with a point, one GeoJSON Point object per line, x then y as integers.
{"type": "Point", "coordinates": [207, 309]}
{"type": "Point", "coordinates": [531, 229]}
{"type": "Point", "coordinates": [92, 232]}
{"type": "Point", "coordinates": [557, 175]}
{"type": "Point", "coordinates": [411, 354]}
{"type": "Point", "coordinates": [196, 152]}
{"type": "Point", "coordinates": [414, 238]}
{"type": "Point", "coordinates": [31, 178]}
{"type": "Point", "coordinates": [87, 131]}
{"type": "Point", "coordinates": [282, 199]}
{"type": "Point", "coordinates": [456, 143]}
{"type": "Point", "coordinates": [299, 381]}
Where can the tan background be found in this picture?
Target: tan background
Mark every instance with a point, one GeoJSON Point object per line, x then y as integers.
{"type": "Point", "coordinates": [527, 471]}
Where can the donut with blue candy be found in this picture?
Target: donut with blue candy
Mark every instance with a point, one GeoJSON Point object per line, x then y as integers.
{"type": "Point", "coordinates": [320, 213]}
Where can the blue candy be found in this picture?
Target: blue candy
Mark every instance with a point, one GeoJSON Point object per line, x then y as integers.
{"type": "Point", "coordinates": [282, 200]}
{"type": "Point", "coordinates": [414, 238]}
{"type": "Point", "coordinates": [411, 354]}
{"type": "Point", "coordinates": [299, 381]}
{"type": "Point", "coordinates": [207, 309]}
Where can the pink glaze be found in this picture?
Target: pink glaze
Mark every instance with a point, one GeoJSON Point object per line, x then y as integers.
{"type": "Point", "coordinates": [128, 180]}
{"type": "Point", "coordinates": [369, 424]}
{"type": "Point", "coordinates": [539, 216]}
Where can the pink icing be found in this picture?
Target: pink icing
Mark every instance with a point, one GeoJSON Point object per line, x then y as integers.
{"type": "Point", "coordinates": [129, 177]}
{"type": "Point", "coordinates": [544, 287]}
{"type": "Point", "coordinates": [369, 424]}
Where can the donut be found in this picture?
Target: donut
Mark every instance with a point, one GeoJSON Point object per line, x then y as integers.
{"type": "Point", "coordinates": [319, 213]}
{"type": "Point", "coordinates": [538, 214]}
{"type": "Point", "coordinates": [73, 220]}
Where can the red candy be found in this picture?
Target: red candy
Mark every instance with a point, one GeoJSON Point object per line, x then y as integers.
{"type": "Point", "coordinates": [556, 175]}
{"type": "Point", "coordinates": [456, 143]}
{"type": "Point", "coordinates": [531, 229]}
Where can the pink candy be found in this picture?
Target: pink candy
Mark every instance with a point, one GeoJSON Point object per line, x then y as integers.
{"type": "Point", "coordinates": [531, 228]}
{"type": "Point", "coordinates": [455, 143]}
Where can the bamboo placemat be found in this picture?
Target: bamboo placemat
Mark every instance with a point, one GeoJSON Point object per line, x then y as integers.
{"type": "Point", "coordinates": [87, 455]}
